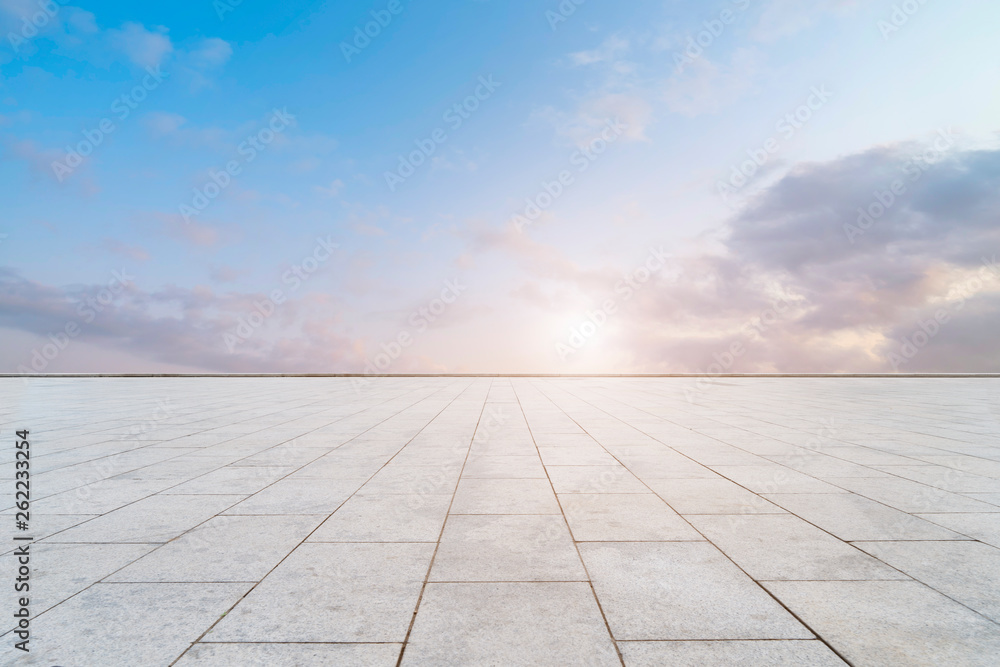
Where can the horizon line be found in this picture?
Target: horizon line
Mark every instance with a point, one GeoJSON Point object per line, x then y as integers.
{"type": "Point", "coordinates": [501, 375]}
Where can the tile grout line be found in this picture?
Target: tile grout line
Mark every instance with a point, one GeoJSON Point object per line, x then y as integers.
{"type": "Point", "coordinates": [816, 635]}
{"type": "Point", "coordinates": [576, 545]}
{"type": "Point", "coordinates": [849, 543]}
{"type": "Point", "coordinates": [303, 541]}
{"type": "Point", "coordinates": [444, 524]}
{"type": "Point", "coordinates": [218, 514]}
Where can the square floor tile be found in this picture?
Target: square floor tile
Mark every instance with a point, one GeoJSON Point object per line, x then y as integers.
{"type": "Point", "coordinates": [682, 590]}
{"type": "Point", "coordinates": [968, 572]}
{"type": "Point", "coordinates": [782, 546]}
{"type": "Point", "coordinates": [504, 467]}
{"type": "Point", "coordinates": [981, 526]}
{"type": "Point", "coordinates": [386, 518]}
{"type": "Point", "coordinates": [332, 593]}
{"type": "Point", "coordinates": [59, 571]}
{"type": "Point", "coordinates": [594, 479]}
{"type": "Point", "coordinates": [891, 623]}
{"type": "Point", "coordinates": [154, 519]}
{"type": "Point", "coordinates": [224, 548]}
{"type": "Point", "coordinates": [114, 624]}
{"type": "Point", "coordinates": [772, 653]}
{"type": "Point", "coordinates": [774, 479]}
{"type": "Point", "coordinates": [711, 496]}
{"type": "Point", "coordinates": [510, 624]}
{"type": "Point", "coordinates": [292, 655]}
{"type": "Point", "coordinates": [507, 548]}
{"type": "Point", "coordinates": [299, 496]}
{"type": "Point", "coordinates": [851, 517]}
{"type": "Point", "coordinates": [504, 496]}
{"type": "Point", "coordinates": [619, 517]}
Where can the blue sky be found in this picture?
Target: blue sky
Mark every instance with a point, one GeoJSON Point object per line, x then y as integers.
{"type": "Point", "coordinates": [306, 259]}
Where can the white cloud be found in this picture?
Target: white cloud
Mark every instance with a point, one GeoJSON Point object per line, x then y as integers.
{"type": "Point", "coordinates": [592, 116]}
{"type": "Point", "coordinates": [146, 48]}
{"type": "Point", "coordinates": [162, 123]}
{"type": "Point", "coordinates": [706, 87]}
{"type": "Point", "coordinates": [210, 53]}
{"type": "Point", "coordinates": [606, 52]}
{"type": "Point", "coordinates": [332, 190]}
{"type": "Point", "coordinates": [781, 18]}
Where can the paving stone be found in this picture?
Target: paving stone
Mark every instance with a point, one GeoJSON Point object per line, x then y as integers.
{"type": "Point", "coordinates": [968, 572]}
{"type": "Point", "coordinates": [711, 496]}
{"type": "Point", "coordinates": [292, 655]}
{"type": "Point", "coordinates": [332, 593]}
{"type": "Point", "coordinates": [980, 526]}
{"type": "Point", "coordinates": [504, 496]}
{"type": "Point", "coordinates": [510, 624]}
{"type": "Point", "coordinates": [338, 465]}
{"type": "Point", "coordinates": [98, 497]}
{"type": "Point", "coordinates": [386, 518]}
{"type": "Point", "coordinates": [822, 466]}
{"type": "Point", "coordinates": [45, 525]}
{"type": "Point", "coordinates": [782, 546]}
{"type": "Point", "coordinates": [794, 479]}
{"type": "Point", "coordinates": [504, 467]}
{"type": "Point", "coordinates": [231, 480]}
{"type": "Point", "coordinates": [52, 581]}
{"type": "Point", "coordinates": [155, 519]}
{"type": "Point", "coordinates": [576, 456]}
{"type": "Point", "coordinates": [114, 624]}
{"type": "Point", "coordinates": [619, 517]}
{"type": "Point", "coordinates": [892, 623]}
{"type": "Point", "coordinates": [298, 496]}
{"type": "Point", "coordinates": [774, 479]}
{"type": "Point", "coordinates": [507, 548]}
{"type": "Point", "coordinates": [777, 653]}
{"type": "Point", "coordinates": [910, 496]}
{"type": "Point", "coordinates": [224, 548]}
{"type": "Point", "coordinates": [851, 517]}
{"type": "Point", "coordinates": [663, 463]}
{"type": "Point", "coordinates": [594, 479]}
{"type": "Point", "coordinates": [950, 479]}
{"type": "Point", "coordinates": [682, 590]}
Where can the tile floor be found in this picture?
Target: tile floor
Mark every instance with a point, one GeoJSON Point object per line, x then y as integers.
{"type": "Point", "coordinates": [507, 521]}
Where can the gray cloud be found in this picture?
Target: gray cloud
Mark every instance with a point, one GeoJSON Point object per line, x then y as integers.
{"type": "Point", "coordinates": [789, 286]}
{"type": "Point", "coordinates": [854, 303]}
{"type": "Point", "coordinates": [180, 326]}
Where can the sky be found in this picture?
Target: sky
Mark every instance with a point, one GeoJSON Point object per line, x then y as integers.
{"type": "Point", "coordinates": [478, 186]}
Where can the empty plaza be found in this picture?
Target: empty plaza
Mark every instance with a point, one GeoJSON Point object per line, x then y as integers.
{"type": "Point", "coordinates": [505, 520]}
